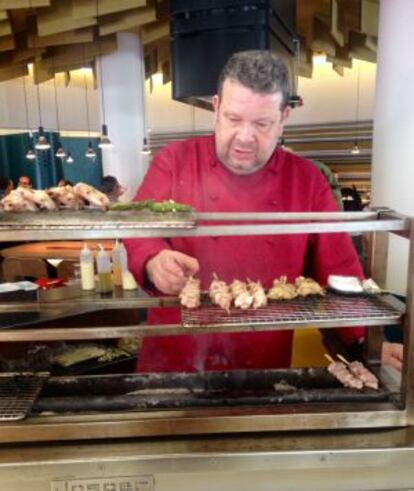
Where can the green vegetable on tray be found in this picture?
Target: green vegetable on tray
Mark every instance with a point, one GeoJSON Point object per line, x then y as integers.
{"type": "Point", "coordinates": [166, 206]}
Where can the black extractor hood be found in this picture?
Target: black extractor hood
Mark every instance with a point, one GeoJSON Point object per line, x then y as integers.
{"type": "Point", "coordinates": [205, 33]}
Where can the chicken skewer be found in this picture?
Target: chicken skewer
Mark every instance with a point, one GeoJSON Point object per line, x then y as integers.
{"type": "Point", "coordinates": [340, 371]}
{"type": "Point", "coordinates": [220, 294]}
{"type": "Point", "coordinates": [258, 293]}
{"type": "Point", "coordinates": [282, 290]}
{"type": "Point", "coordinates": [241, 295]}
{"type": "Point", "coordinates": [361, 372]}
{"type": "Point", "coordinates": [190, 295]}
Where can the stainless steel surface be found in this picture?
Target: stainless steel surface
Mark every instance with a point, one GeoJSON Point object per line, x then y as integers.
{"type": "Point", "coordinates": [300, 310]}
{"type": "Point", "coordinates": [319, 461]}
{"type": "Point", "coordinates": [18, 392]}
{"type": "Point", "coordinates": [408, 333]}
{"type": "Point", "coordinates": [289, 216]}
{"type": "Point", "coordinates": [327, 312]}
{"type": "Point", "coordinates": [206, 421]}
{"type": "Point", "coordinates": [186, 422]}
{"type": "Point", "coordinates": [100, 225]}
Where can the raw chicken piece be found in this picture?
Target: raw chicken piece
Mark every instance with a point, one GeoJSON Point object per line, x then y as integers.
{"type": "Point", "coordinates": [282, 290]}
{"type": "Point", "coordinates": [308, 286]}
{"type": "Point", "coordinates": [258, 293]}
{"type": "Point", "coordinates": [190, 294]}
{"type": "Point", "coordinates": [38, 197]}
{"type": "Point", "coordinates": [14, 201]}
{"type": "Point", "coordinates": [91, 195]}
{"type": "Point", "coordinates": [241, 295]}
{"type": "Point", "coordinates": [66, 196]}
{"type": "Point", "coordinates": [220, 294]}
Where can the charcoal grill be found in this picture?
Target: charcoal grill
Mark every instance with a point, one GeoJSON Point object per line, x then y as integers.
{"type": "Point", "coordinates": [63, 413]}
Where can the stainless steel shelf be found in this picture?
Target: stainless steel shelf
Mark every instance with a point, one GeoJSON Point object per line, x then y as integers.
{"type": "Point", "coordinates": [66, 225]}
{"type": "Point", "coordinates": [331, 312]}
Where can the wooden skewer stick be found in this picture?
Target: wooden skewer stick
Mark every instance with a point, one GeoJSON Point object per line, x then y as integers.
{"type": "Point", "coordinates": [342, 358]}
{"type": "Point", "coordinates": [329, 358]}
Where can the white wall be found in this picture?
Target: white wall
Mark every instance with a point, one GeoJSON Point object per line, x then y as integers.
{"type": "Point", "coordinates": [327, 96]}
{"type": "Point", "coordinates": [71, 103]}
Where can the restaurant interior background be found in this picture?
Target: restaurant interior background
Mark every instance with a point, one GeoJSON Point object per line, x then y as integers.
{"type": "Point", "coordinates": [83, 44]}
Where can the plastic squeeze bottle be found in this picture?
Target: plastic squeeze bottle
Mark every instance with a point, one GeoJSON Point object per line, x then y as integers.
{"type": "Point", "coordinates": [116, 263]}
{"type": "Point", "coordinates": [87, 268]}
{"type": "Point", "coordinates": [103, 265]}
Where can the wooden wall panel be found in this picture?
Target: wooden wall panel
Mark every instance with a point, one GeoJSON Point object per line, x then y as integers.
{"type": "Point", "coordinates": [126, 20]}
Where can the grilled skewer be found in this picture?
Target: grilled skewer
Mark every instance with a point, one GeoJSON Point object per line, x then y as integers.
{"type": "Point", "coordinates": [340, 371]}
{"type": "Point", "coordinates": [361, 372]}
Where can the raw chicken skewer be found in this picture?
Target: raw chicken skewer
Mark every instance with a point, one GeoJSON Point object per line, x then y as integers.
{"type": "Point", "coordinates": [220, 293]}
{"type": "Point", "coordinates": [282, 290]}
{"type": "Point", "coordinates": [258, 293]}
{"type": "Point", "coordinates": [65, 195]}
{"type": "Point", "coordinates": [91, 195]}
{"type": "Point", "coordinates": [241, 295]}
{"type": "Point", "coordinates": [308, 286]}
{"type": "Point", "coordinates": [358, 370]}
{"type": "Point", "coordinates": [190, 294]}
{"type": "Point", "coordinates": [340, 371]}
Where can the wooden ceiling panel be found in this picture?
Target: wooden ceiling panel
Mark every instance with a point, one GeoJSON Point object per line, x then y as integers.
{"type": "Point", "coordinates": [23, 4]}
{"type": "Point", "coordinates": [13, 71]}
{"type": "Point", "coordinates": [126, 20]}
{"type": "Point", "coordinates": [67, 31]}
{"type": "Point", "coordinates": [88, 8]}
{"type": "Point", "coordinates": [85, 35]}
{"type": "Point", "coordinates": [7, 43]}
{"type": "Point", "coordinates": [59, 18]}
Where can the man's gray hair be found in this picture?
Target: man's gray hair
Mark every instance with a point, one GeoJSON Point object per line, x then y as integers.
{"type": "Point", "coordinates": [259, 70]}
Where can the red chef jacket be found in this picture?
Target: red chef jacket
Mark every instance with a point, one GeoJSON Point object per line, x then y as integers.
{"type": "Point", "coordinates": [189, 172]}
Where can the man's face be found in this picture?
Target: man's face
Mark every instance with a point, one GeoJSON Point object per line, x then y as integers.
{"type": "Point", "coordinates": [247, 126]}
{"type": "Point", "coordinates": [24, 182]}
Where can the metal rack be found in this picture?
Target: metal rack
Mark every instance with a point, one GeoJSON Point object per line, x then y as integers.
{"type": "Point", "coordinates": [372, 312]}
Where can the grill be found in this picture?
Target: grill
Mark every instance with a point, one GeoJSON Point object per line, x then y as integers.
{"type": "Point", "coordinates": [210, 389]}
{"type": "Point", "coordinates": [333, 308]}
{"type": "Point", "coordinates": [18, 392]}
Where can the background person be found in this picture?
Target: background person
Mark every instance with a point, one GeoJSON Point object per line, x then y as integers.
{"type": "Point", "coordinates": [6, 185]}
{"type": "Point", "coordinates": [112, 188]}
{"type": "Point", "coordinates": [25, 182]}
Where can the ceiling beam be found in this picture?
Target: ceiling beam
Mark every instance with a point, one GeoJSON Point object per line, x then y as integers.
{"type": "Point", "coordinates": [126, 20]}
{"type": "Point", "coordinates": [89, 8]}
{"type": "Point", "coordinates": [59, 18]}
{"type": "Point", "coordinates": [70, 37]}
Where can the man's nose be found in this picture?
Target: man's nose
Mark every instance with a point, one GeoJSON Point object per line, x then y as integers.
{"type": "Point", "coordinates": [245, 133]}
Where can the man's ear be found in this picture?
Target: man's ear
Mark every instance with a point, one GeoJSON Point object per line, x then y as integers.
{"type": "Point", "coordinates": [285, 114]}
{"type": "Point", "coordinates": [216, 102]}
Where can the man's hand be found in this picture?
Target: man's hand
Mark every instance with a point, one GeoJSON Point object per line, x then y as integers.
{"type": "Point", "coordinates": [169, 270]}
{"type": "Point", "coordinates": [392, 354]}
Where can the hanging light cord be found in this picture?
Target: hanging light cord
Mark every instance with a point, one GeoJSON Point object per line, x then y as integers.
{"type": "Point", "coordinates": [25, 103]}
{"type": "Point", "coordinates": [86, 95]}
{"type": "Point", "coordinates": [56, 97]}
{"type": "Point", "coordinates": [357, 103]}
{"type": "Point", "coordinates": [100, 65]}
{"type": "Point", "coordinates": [37, 85]}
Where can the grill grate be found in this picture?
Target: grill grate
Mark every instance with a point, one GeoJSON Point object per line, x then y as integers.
{"type": "Point", "coordinates": [18, 392]}
{"type": "Point", "coordinates": [299, 310]}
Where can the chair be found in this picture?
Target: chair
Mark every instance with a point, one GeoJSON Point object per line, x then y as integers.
{"type": "Point", "coordinates": [17, 269]}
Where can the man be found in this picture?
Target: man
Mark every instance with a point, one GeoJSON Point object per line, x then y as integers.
{"type": "Point", "coordinates": [6, 185]}
{"type": "Point", "coordinates": [238, 169]}
{"type": "Point", "coordinates": [25, 182]}
{"type": "Point", "coordinates": [112, 188]}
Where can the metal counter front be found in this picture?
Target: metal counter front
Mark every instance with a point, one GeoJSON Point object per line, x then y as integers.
{"type": "Point", "coordinates": [380, 460]}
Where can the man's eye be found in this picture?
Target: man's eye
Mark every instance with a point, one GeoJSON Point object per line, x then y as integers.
{"type": "Point", "coordinates": [262, 125]}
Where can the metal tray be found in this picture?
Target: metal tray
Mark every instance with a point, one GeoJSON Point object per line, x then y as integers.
{"type": "Point", "coordinates": [332, 308]}
{"type": "Point", "coordinates": [18, 392]}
